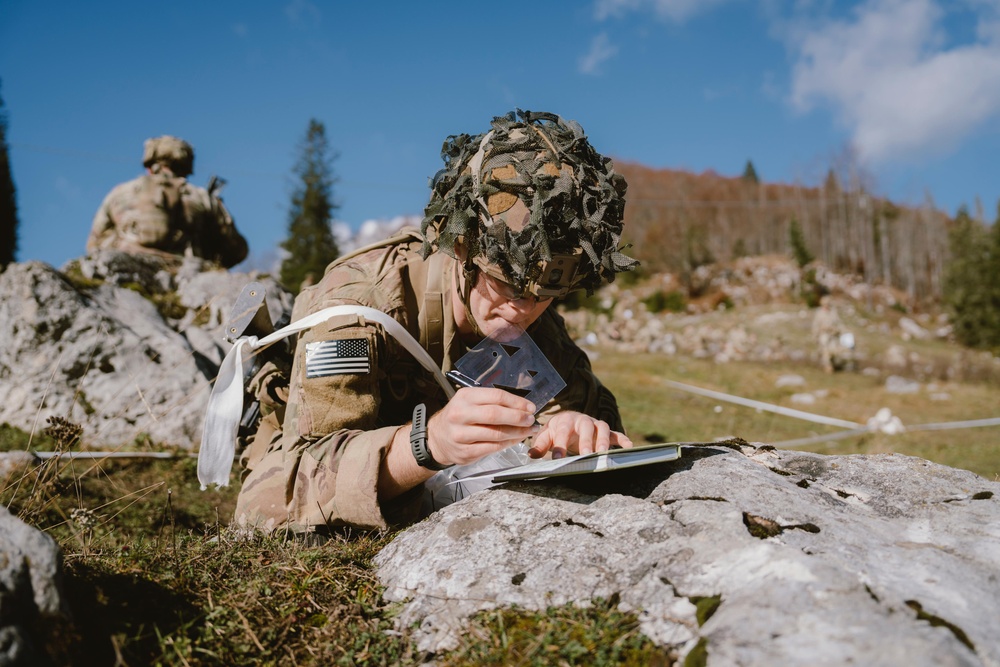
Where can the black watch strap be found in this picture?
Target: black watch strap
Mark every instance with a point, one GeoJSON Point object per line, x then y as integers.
{"type": "Point", "coordinates": [418, 440]}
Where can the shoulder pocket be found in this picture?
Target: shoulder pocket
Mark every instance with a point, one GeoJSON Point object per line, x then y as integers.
{"type": "Point", "coordinates": [337, 374]}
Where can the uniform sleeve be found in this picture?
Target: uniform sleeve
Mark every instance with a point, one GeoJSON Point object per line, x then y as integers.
{"type": "Point", "coordinates": [584, 391]}
{"type": "Point", "coordinates": [322, 468]}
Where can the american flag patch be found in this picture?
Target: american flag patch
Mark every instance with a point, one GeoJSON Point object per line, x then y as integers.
{"type": "Point", "coordinates": [337, 357]}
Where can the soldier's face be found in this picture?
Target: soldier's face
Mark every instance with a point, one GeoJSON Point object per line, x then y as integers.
{"type": "Point", "coordinates": [496, 305]}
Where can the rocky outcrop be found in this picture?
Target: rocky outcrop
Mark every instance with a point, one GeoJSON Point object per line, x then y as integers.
{"type": "Point", "coordinates": [625, 316]}
{"type": "Point", "coordinates": [32, 605]}
{"type": "Point", "coordinates": [757, 556]}
{"type": "Point", "coordinates": [124, 345]}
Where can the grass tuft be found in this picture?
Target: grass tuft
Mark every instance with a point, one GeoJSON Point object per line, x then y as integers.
{"type": "Point", "coordinates": [569, 635]}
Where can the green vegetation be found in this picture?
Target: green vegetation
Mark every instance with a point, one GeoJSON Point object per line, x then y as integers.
{"type": "Point", "coordinates": [798, 243]}
{"type": "Point", "coordinates": [810, 290]}
{"type": "Point", "coordinates": [660, 301]}
{"type": "Point", "coordinates": [72, 273]}
{"type": "Point", "coordinates": [310, 244]}
{"type": "Point", "coordinates": [580, 300]}
{"type": "Point", "coordinates": [971, 290]}
{"type": "Point", "coordinates": [638, 383]}
{"type": "Point", "coordinates": [156, 575]}
{"type": "Point", "coordinates": [595, 635]}
{"type": "Point", "coordinates": [13, 439]}
{"type": "Point", "coordinates": [168, 304]}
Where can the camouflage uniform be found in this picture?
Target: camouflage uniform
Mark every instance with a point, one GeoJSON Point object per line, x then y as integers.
{"type": "Point", "coordinates": [317, 462]}
{"type": "Point", "coordinates": [162, 213]}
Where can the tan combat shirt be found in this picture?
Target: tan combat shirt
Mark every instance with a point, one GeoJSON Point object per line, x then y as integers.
{"type": "Point", "coordinates": [139, 216]}
{"type": "Point", "coordinates": [321, 466]}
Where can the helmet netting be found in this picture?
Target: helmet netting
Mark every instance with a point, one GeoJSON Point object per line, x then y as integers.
{"type": "Point", "coordinates": [575, 198]}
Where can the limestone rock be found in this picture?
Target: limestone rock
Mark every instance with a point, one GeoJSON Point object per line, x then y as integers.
{"type": "Point", "coordinates": [31, 597]}
{"type": "Point", "coordinates": [126, 346]}
{"type": "Point", "coordinates": [913, 330]}
{"type": "Point", "coordinates": [811, 559]}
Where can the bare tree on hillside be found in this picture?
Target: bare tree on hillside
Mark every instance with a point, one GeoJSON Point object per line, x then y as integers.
{"type": "Point", "coordinates": [676, 219]}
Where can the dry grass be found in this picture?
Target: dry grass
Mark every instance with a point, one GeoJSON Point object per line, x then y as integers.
{"type": "Point", "coordinates": [155, 575]}
{"type": "Point", "coordinates": [655, 411]}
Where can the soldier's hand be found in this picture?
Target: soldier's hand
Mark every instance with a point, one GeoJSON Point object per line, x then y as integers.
{"type": "Point", "coordinates": [576, 433]}
{"type": "Point", "coordinates": [478, 421]}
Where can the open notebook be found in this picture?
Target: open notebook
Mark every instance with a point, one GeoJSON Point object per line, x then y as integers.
{"type": "Point", "coordinates": [613, 459]}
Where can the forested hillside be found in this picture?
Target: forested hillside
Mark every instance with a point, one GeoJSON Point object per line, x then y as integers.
{"type": "Point", "coordinates": [678, 221]}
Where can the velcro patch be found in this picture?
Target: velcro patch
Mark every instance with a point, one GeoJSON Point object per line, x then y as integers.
{"type": "Point", "coordinates": [337, 357]}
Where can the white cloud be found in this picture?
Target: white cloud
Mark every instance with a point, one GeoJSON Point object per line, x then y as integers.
{"type": "Point", "coordinates": [601, 50]}
{"type": "Point", "coordinates": [891, 80]}
{"type": "Point", "coordinates": [676, 11]}
{"type": "Point", "coordinates": [371, 231]}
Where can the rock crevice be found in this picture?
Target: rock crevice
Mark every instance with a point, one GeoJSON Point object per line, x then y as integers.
{"type": "Point", "coordinates": [725, 558]}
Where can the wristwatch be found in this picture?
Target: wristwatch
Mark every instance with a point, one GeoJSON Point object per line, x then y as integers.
{"type": "Point", "coordinates": [418, 441]}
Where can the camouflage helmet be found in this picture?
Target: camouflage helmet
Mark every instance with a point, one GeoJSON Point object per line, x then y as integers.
{"type": "Point", "coordinates": [176, 154]}
{"type": "Point", "coordinates": [531, 203]}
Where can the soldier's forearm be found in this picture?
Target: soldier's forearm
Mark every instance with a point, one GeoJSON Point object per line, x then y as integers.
{"type": "Point", "coordinates": [399, 471]}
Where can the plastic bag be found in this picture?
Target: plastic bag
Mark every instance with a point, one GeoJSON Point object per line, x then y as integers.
{"type": "Point", "coordinates": [447, 487]}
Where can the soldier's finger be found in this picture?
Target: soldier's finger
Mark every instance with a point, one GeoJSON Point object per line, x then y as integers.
{"type": "Point", "coordinates": [563, 436]}
{"type": "Point", "coordinates": [619, 439]}
{"type": "Point", "coordinates": [559, 449]}
{"type": "Point", "coordinates": [493, 396]}
{"type": "Point", "coordinates": [495, 415]}
{"type": "Point", "coordinates": [540, 445]}
{"type": "Point", "coordinates": [602, 436]}
{"type": "Point", "coordinates": [549, 439]}
{"type": "Point", "coordinates": [476, 434]}
{"type": "Point", "coordinates": [585, 432]}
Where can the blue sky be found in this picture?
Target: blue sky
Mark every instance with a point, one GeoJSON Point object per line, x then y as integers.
{"type": "Point", "coordinates": [909, 88]}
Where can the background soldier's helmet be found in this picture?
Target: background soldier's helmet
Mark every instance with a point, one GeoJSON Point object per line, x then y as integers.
{"type": "Point", "coordinates": [531, 203]}
{"type": "Point", "coordinates": [175, 154]}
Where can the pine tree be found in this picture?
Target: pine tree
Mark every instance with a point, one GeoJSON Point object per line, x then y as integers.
{"type": "Point", "coordinates": [310, 244]}
{"type": "Point", "coordinates": [8, 199]}
{"type": "Point", "coordinates": [750, 174]}
{"type": "Point", "coordinates": [970, 288]}
{"type": "Point", "coordinates": [798, 243]}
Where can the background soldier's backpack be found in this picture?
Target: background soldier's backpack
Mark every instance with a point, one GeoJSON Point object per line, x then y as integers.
{"type": "Point", "coordinates": [156, 218]}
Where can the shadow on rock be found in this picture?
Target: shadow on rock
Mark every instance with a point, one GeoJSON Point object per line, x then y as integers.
{"type": "Point", "coordinates": [637, 482]}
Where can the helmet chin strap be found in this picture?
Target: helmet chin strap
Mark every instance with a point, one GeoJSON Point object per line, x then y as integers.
{"type": "Point", "coordinates": [469, 274]}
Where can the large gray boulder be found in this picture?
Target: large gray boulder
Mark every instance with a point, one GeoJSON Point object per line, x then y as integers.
{"type": "Point", "coordinates": [32, 604]}
{"type": "Point", "coordinates": [126, 346]}
{"type": "Point", "coordinates": [805, 559]}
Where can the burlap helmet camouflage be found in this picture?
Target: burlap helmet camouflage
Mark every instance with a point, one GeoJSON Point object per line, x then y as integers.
{"type": "Point", "coordinates": [531, 203]}
{"type": "Point", "coordinates": [176, 154]}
